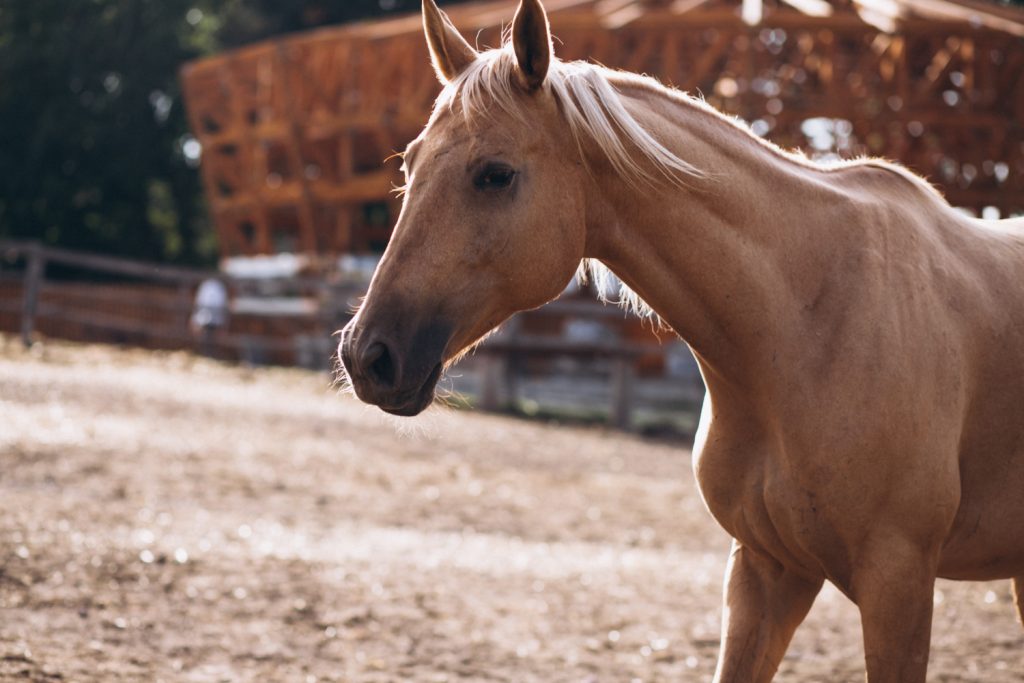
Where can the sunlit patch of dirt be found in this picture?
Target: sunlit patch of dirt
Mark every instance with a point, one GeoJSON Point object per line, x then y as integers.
{"type": "Point", "coordinates": [166, 518]}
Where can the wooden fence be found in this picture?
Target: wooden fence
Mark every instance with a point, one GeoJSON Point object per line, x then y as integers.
{"type": "Point", "coordinates": [150, 306]}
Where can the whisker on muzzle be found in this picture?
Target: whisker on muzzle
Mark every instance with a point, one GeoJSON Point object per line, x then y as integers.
{"type": "Point", "coordinates": [447, 397]}
{"type": "Point", "coordinates": [341, 381]}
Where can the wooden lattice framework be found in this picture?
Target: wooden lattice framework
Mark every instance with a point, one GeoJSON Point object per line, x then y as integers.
{"type": "Point", "coordinates": [295, 130]}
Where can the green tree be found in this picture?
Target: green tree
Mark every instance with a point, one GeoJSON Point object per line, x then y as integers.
{"type": "Point", "coordinates": [89, 127]}
{"type": "Point", "coordinates": [91, 118]}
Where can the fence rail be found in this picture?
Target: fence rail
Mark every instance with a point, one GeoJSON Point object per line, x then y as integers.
{"type": "Point", "coordinates": [159, 314]}
{"type": "Point", "coordinates": [108, 264]}
{"type": "Point", "coordinates": [166, 312]}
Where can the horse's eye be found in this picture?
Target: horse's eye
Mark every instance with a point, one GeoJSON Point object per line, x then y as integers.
{"type": "Point", "coordinates": [494, 177]}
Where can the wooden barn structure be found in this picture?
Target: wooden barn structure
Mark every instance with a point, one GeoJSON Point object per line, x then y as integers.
{"type": "Point", "coordinates": [295, 131]}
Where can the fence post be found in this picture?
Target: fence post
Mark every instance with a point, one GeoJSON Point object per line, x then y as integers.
{"type": "Point", "coordinates": [493, 378]}
{"type": "Point", "coordinates": [30, 296]}
{"type": "Point", "coordinates": [184, 303]}
{"type": "Point", "coordinates": [622, 393]}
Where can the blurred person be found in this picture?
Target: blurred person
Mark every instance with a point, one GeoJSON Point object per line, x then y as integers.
{"type": "Point", "coordinates": [209, 315]}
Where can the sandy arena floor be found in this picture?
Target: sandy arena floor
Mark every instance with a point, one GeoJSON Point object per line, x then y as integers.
{"type": "Point", "coordinates": [164, 518]}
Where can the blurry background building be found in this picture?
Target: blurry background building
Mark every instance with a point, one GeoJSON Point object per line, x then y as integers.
{"type": "Point", "coordinates": [294, 130]}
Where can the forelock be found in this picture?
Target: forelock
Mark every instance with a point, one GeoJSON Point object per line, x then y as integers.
{"type": "Point", "coordinates": [588, 99]}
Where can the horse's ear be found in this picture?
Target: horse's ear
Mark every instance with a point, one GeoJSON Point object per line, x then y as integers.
{"type": "Point", "coordinates": [449, 51]}
{"type": "Point", "coordinates": [531, 38]}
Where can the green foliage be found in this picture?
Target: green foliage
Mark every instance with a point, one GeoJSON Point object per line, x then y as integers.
{"type": "Point", "coordinates": [92, 122]}
{"type": "Point", "coordinates": [248, 20]}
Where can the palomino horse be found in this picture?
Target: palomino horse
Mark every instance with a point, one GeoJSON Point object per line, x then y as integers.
{"type": "Point", "coordinates": [862, 343]}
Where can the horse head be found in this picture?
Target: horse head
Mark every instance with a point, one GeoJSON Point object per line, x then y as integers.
{"type": "Point", "coordinates": [493, 217]}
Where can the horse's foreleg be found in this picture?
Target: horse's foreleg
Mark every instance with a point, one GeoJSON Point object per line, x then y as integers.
{"type": "Point", "coordinates": [893, 584]}
{"type": "Point", "coordinates": [764, 603]}
{"type": "Point", "coordinates": [1018, 597]}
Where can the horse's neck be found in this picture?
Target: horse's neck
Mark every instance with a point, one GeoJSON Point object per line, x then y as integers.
{"type": "Point", "coordinates": [724, 263]}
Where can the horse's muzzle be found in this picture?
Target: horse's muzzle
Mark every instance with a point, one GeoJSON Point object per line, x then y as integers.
{"type": "Point", "coordinates": [397, 377]}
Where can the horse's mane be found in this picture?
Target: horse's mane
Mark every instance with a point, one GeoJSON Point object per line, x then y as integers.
{"type": "Point", "coordinates": [591, 105]}
{"type": "Point", "coordinates": [595, 112]}
{"type": "Point", "coordinates": [590, 97]}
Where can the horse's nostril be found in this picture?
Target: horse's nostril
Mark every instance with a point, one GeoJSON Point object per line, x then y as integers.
{"type": "Point", "coordinates": [379, 365]}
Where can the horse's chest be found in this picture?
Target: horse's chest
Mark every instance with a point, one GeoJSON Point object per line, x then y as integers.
{"type": "Point", "coordinates": [756, 502]}
{"type": "Point", "coordinates": [732, 484]}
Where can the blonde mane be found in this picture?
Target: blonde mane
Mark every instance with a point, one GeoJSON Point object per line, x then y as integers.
{"type": "Point", "coordinates": [595, 113]}
{"type": "Point", "coordinates": [590, 97]}
{"type": "Point", "coordinates": [592, 107]}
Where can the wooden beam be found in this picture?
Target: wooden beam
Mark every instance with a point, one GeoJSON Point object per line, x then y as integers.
{"type": "Point", "coordinates": [307, 228]}
{"type": "Point", "coordinates": [684, 6]}
{"type": "Point", "coordinates": [943, 9]}
{"type": "Point", "coordinates": [752, 11]}
{"type": "Point", "coordinates": [107, 264]}
{"type": "Point", "coordinates": [812, 8]}
{"type": "Point", "coordinates": [882, 14]}
{"type": "Point", "coordinates": [365, 187]}
{"type": "Point", "coordinates": [708, 58]}
{"type": "Point", "coordinates": [624, 16]}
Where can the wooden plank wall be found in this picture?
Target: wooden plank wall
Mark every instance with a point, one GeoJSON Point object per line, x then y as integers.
{"type": "Point", "coordinates": [295, 131]}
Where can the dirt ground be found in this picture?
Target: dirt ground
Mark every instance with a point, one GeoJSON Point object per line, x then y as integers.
{"type": "Point", "coordinates": [164, 518]}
